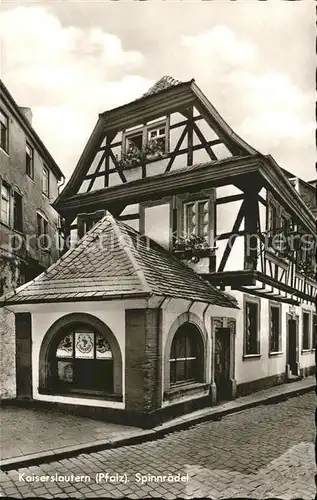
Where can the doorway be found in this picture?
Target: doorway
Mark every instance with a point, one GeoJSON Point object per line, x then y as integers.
{"type": "Point", "coordinates": [222, 364]}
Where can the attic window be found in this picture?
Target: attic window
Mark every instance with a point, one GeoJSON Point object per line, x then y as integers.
{"type": "Point", "coordinates": [134, 141]}
{"type": "Point", "coordinates": [150, 141]}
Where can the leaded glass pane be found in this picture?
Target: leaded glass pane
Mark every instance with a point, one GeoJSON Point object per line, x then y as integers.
{"type": "Point", "coordinates": [84, 345]}
{"type": "Point", "coordinates": [65, 371]}
{"type": "Point", "coordinates": [103, 350]}
{"type": "Point", "coordinates": [65, 347]}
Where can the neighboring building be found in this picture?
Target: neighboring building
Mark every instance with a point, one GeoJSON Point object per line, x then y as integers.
{"type": "Point", "coordinates": [29, 179]}
{"type": "Point", "coordinates": [185, 221]}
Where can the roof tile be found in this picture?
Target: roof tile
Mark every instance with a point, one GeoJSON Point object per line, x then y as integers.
{"type": "Point", "coordinates": [124, 264]}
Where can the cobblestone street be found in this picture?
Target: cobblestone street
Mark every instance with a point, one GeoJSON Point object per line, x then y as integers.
{"type": "Point", "coordinates": [267, 451]}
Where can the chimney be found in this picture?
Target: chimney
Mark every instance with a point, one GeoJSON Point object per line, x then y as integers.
{"type": "Point", "coordinates": [27, 112]}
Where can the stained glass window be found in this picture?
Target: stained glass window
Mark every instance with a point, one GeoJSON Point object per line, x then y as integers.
{"type": "Point", "coordinates": [65, 347]}
{"type": "Point", "coordinates": [103, 350]}
{"type": "Point", "coordinates": [251, 328]}
{"type": "Point", "coordinates": [84, 345]}
{"type": "Point", "coordinates": [83, 360]}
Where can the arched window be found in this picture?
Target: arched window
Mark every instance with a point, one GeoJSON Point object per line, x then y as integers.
{"type": "Point", "coordinates": [186, 356]}
{"type": "Point", "coordinates": [80, 361]}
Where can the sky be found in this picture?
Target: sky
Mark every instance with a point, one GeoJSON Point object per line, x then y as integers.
{"type": "Point", "coordinates": [255, 61]}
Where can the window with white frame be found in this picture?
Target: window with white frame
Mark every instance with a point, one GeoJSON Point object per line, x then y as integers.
{"type": "Point", "coordinates": [186, 355]}
{"type": "Point", "coordinates": [150, 139]}
{"type": "Point", "coordinates": [251, 328]}
{"type": "Point", "coordinates": [197, 218]}
{"type": "Point", "coordinates": [306, 331]}
{"type": "Point", "coordinates": [4, 131]}
{"type": "Point", "coordinates": [156, 139]}
{"type": "Point", "coordinates": [42, 231]}
{"type": "Point", "coordinates": [45, 181]}
{"type": "Point", "coordinates": [275, 328]}
{"type": "Point", "coordinates": [17, 212]}
{"type": "Point", "coordinates": [5, 203]}
{"type": "Point", "coordinates": [29, 161]}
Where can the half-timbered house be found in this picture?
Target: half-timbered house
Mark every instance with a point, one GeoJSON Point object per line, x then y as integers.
{"type": "Point", "coordinates": [193, 277]}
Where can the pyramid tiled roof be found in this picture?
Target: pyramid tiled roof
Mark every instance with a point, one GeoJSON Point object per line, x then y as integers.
{"type": "Point", "coordinates": [114, 261]}
{"type": "Point", "coordinates": [163, 83]}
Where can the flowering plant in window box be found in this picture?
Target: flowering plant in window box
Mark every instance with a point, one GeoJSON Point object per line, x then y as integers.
{"type": "Point", "coordinates": [308, 268]}
{"type": "Point", "coordinates": [192, 246]}
{"type": "Point", "coordinates": [134, 156]}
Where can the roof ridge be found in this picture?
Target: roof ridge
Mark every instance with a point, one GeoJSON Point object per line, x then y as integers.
{"type": "Point", "coordinates": [163, 83]}
{"type": "Point", "coordinates": [126, 245]}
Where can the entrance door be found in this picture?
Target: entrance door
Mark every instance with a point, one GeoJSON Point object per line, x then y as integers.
{"type": "Point", "coordinates": [292, 344]}
{"type": "Point", "coordinates": [222, 363]}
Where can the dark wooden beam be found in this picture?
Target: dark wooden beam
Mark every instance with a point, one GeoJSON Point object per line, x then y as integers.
{"type": "Point", "coordinates": [177, 148]}
{"type": "Point", "coordinates": [181, 124]}
{"type": "Point", "coordinates": [251, 227]}
{"type": "Point", "coordinates": [231, 278]}
{"type": "Point", "coordinates": [179, 181]}
{"type": "Point", "coordinates": [129, 217]}
{"type": "Point", "coordinates": [266, 295]}
{"type": "Point", "coordinates": [230, 243]}
{"type": "Point", "coordinates": [119, 169]}
{"type": "Point", "coordinates": [225, 236]}
{"type": "Point", "coordinates": [190, 136]}
{"type": "Point", "coordinates": [228, 199]}
{"type": "Point", "coordinates": [204, 142]}
{"type": "Point", "coordinates": [96, 171]}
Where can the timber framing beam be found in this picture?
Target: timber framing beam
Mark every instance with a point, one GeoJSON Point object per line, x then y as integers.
{"type": "Point", "coordinates": [245, 278]}
{"type": "Point", "coordinates": [268, 296]}
{"type": "Point", "coordinates": [166, 184]}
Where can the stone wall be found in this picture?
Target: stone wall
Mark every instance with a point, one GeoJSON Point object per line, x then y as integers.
{"type": "Point", "coordinates": [7, 354]}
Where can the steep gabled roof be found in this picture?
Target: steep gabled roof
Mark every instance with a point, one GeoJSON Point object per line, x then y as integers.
{"type": "Point", "coordinates": [164, 95]}
{"type": "Point", "coordinates": [113, 261]}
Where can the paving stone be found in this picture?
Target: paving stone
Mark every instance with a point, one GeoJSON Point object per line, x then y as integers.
{"type": "Point", "coordinates": [262, 452]}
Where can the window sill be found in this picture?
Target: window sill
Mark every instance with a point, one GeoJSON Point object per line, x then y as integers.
{"type": "Point", "coordinates": [306, 351]}
{"type": "Point", "coordinates": [82, 394]}
{"type": "Point", "coordinates": [251, 356]}
{"type": "Point", "coordinates": [30, 178]}
{"type": "Point", "coordinates": [186, 389]}
{"type": "Point", "coordinates": [275, 353]}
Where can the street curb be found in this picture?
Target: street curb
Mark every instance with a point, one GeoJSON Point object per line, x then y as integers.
{"type": "Point", "coordinates": [142, 436]}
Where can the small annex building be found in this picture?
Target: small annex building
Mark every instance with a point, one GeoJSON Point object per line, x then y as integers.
{"type": "Point", "coordinates": [121, 329]}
